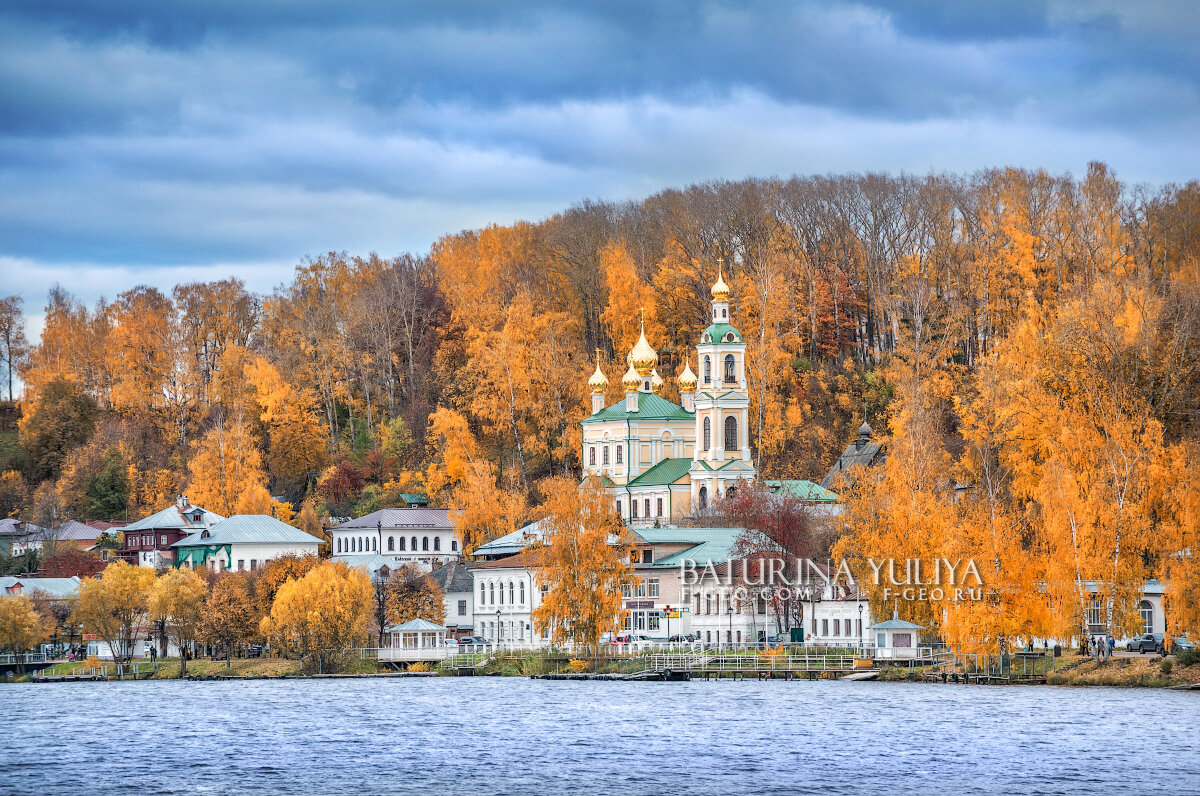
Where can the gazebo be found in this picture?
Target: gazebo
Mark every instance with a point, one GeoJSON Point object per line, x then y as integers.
{"type": "Point", "coordinates": [415, 640]}
{"type": "Point", "coordinates": [896, 638]}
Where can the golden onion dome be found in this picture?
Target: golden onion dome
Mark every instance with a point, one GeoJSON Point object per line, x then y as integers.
{"type": "Point", "coordinates": [632, 380]}
{"type": "Point", "coordinates": [643, 358]}
{"type": "Point", "coordinates": [687, 379]}
{"type": "Point", "coordinates": [656, 382]}
{"type": "Point", "coordinates": [720, 291]}
{"type": "Point", "coordinates": [598, 382]}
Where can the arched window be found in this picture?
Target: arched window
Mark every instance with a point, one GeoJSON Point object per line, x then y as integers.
{"type": "Point", "coordinates": [414, 544]}
{"type": "Point", "coordinates": [391, 543]}
{"type": "Point", "coordinates": [482, 593]}
{"type": "Point", "coordinates": [339, 544]}
{"type": "Point", "coordinates": [510, 592]}
{"type": "Point", "coordinates": [706, 438]}
{"type": "Point", "coordinates": [591, 457]}
{"type": "Point", "coordinates": [492, 593]}
{"type": "Point", "coordinates": [501, 594]}
{"type": "Point", "coordinates": [731, 435]}
{"type": "Point", "coordinates": [375, 544]}
{"type": "Point", "coordinates": [401, 542]}
{"type": "Point", "coordinates": [707, 369]}
{"type": "Point", "coordinates": [606, 454]}
{"type": "Point", "coordinates": [703, 498]}
{"type": "Point", "coordinates": [1147, 612]}
{"type": "Point", "coordinates": [437, 543]}
{"type": "Point", "coordinates": [522, 592]}
{"type": "Point", "coordinates": [359, 550]}
{"type": "Point", "coordinates": [729, 376]}
{"type": "Point", "coordinates": [424, 543]}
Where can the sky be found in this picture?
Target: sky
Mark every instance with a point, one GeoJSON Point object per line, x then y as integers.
{"type": "Point", "coordinates": [155, 142]}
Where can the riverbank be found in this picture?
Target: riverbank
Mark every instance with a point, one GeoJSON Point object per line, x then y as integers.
{"type": "Point", "coordinates": [1069, 671]}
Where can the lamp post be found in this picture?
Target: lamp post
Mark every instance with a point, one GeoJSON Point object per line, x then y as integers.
{"type": "Point", "coordinates": [729, 611]}
{"type": "Point", "coordinates": [860, 628]}
{"type": "Point", "coordinates": [497, 629]}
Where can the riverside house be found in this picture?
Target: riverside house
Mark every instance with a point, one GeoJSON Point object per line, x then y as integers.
{"type": "Point", "coordinates": [149, 541]}
{"type": "Point", "coordinates": [242, 543]}
{"type": "Point", "coordinates": [420, 536]}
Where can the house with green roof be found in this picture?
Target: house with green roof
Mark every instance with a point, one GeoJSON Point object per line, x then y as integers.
{"type": "Point", "coordinates": [243, 542]}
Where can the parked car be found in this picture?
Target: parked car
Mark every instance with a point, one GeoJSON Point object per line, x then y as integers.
{"type": "Point", "coordinates": [1149, 642]}
{"type": "Point", "coordinates": [678, 639]}
{"type": "Point", "coordinates": [451, 642]}
{"type": "Point", "coordinates": [1182, 643]}
{"type": "Point", "coordinates": [635, 640]}
{"type": "Point", "coordinates": [467, 641]}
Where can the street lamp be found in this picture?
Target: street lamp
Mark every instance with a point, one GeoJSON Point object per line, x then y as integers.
{"type": "Point", "coordinates": [860, 628]}
{"type": "Point", "coordinates": [497, 628]}
{"type": "Point", "coordinates": [729, 611]}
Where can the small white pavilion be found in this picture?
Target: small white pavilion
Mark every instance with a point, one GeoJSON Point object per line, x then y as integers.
{"type": "Point", "coordinates": [415, 640]}
{"type": "Point", "coordinates": [896, 638]}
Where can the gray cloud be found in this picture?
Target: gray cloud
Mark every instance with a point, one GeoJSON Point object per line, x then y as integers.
{"type": "Point", "coordinates": [140, 140]}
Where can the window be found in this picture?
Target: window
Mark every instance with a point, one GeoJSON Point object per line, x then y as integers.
{"type": "Point", "coordinates": [339, 546]}
{"type": "Point", "coordinates": [703, 498]}
{"type": "Point", "coordinates": [592, 455]}
{"type": "Point", "coordinates": [729, 375]}
{"type": "Point", "coordinates": [606, 454]}
{"type": "Point", "coordinates": [522, 592]}
{"type": "Point", "coordinates": [491, 594]}
{"type": "Point", "coordinates": [130, 541]}
{"type": "Point", "coordinates": [858, 627]}
{"type": "Point", "coordinates": [162, 540]}
{"type": "Point", "coordinates": [482, 593]}
{"type": "Point", "coordinates": [1147, 612]}
{"type": "Point", "coordinates": [707, 369]}
{"type": "Point", "coordinates": [437, 543]}
{"type": "Point", "coordinates": [619, 512]}
{"type": "Point", "coordinates": [824, 627]}
{"type": "Point", "coordinates": [414, 544]}
{"type": "Point", "coordinates": [620, 455]}
{"type": "Point", "coordinates": [652, 585]}
{"type": "Point", "coordinates": [401, 542]}
{"type": "Point", "coordinates": [462, 607]}
{"type": "Point", "coordinates": [647, 505]}
{"type": "Point", "coordinates": [633, 509]}
{"type": "Point", "coordinates": [1094, 613]}
{"type": "Point", "coordinates": [241, 564]}
{"type": "Point", "coordinates": [502, 594]}
{"type": "Point", "coordinates": [731, 435]}
{"type": "Point", "coordinates": [708, 636]}
{"type": "Point", "coordinates": [706, 437]}
{"type": "Point", "coordinates": [881, 639]}
{"type": "Point", "coordinates": [375, 543]}
{"type": "Point", "coordinates": [147, 540]}
{"type": "Point", "coordinates": [724, 313]}
{"type": "Point", "coordinates": [708, 604]}
{"type": "Point", "coordinates": [391, 544]}
{"type": "Point", "coordinates": [424, 543]}
{"type": "Point", "coordinates": [739, 637]}
{"type": "Point", "coordinates": [647, 556]}
{"type": "Point", "coordinates": [253, 564]}
{"type": "Point", "coordinates": [659, 507]}
{"type": "Point", "coordinates": [510, 593]}
{"type": "Point", "coordinates": [837, 627]}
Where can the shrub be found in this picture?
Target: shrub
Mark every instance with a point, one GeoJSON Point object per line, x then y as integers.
{"type": "Point", "coordinates": [1165, 666]}
{"type": "Point", "coordinates": [579, 666]}
{"type": "Point", "coordinates": [1189, 657]}
{"type": "Point", "coordinates": [419, 667]}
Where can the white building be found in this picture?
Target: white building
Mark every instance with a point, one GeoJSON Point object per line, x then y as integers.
{"type": "Point", "coordinates": [420, 536]}
{"type": "Point", "coordinates": [505, 597]}
{"type": "Point", "coordinates": [458, 588]}
{"type": "Point", "coordinates": [243, 542]}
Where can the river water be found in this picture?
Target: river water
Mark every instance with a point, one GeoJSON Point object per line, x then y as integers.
{"type": "Point", "coordinates": [513, 735]}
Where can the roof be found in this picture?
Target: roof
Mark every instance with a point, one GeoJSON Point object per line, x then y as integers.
{"type": "Point", "coordinates": [248, 529]}
{"type": "Point", "coordinates": [803, 490]}
{"type": "Point", "coordinates": [514, 542]}
{"type": "Point", "coordinates": [417, 625]}
{"type": "Point", "coordinates": [372, 562]}
{"type": "Point", "coordinates": [102, 525]}
{"type": "Point", "coordinates": [860, 453]}
{"type": "Point", "coordinates": [73, 530]}
{"type": "Point", "coordinates": [11, 526]}
{"type": "Point", "coordinates": [668, 471]}
{"type": "Point", "coordinates": [522, 560]}
{"type": "Point", "coordinates": [711, 545]}
{"type": "Point", "coordinates": [401, 518]}
{"type": "Point", "coordinates": [453, 577]}
{"type": "Point", "coordinates": [716, 334]}
{"type": "Point", "coordinates": [896, 624]}
{"type": "Point", "coordinates": [650, 407]}
{"type": "Point", "coordinates": [53, 587]}
{"type": "Point", "coordinates": [173, 516]}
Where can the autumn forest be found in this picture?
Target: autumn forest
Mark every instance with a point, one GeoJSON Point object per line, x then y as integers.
{"type": "Point", "coordinates": [1025, 343]}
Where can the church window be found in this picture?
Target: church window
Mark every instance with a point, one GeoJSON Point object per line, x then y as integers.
{"type": "Point", "coordinates": [729, 376]}
{"type": "Point", "coordinates": [619, 454]}
{"type": "Point", "coordinates": [592, 456]}
{"type": "Point", "coordinates": [647, 504]}
{"type": "Point", "coordinates": [703, 498]}
{"type": "Point", "coordinates": [424, 542]}
{"type": "Point", "coordinates": [724, 313]}
{"type": "Point", "coordinates": [391, 544]}
{"type": "Point", "coordinates": [401, 542]}
{"type": "Point", "coordinates": [619, 512]}
{"type": "Point", "coordinates": [707, 369]}
{"type": "Point", "coordinates": [659, 507]}
{"type": "Point", "coordinates": [605, 454]}
{"type": "Point", "coordinates": [633, 508]}
{"type": "Point", "coordinates": [707, 435]}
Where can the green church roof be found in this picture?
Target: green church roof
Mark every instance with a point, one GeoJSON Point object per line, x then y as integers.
{"type": "Point", "coordinates": [650, 407]}
{"type": "Point", "coordinates": [668, 471]}
{"type": "Point", "coordinates": [717, 332]}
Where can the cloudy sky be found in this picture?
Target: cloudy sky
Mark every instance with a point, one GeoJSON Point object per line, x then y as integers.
{"type": "Point", "coordinates": [155, 141]}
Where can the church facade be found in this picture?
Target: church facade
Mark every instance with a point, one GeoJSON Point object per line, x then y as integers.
{"type": "Point", "coordinates": [663, 461]}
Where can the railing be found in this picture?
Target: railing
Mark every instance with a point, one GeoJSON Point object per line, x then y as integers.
{"type": "Point", "coordinates": [779, 662]}
{"type": "Point", "coordinates": [9, 659]}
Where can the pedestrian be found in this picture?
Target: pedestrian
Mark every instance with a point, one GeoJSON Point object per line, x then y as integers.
{"type": "Point", "coordinates": [1112, 645]}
